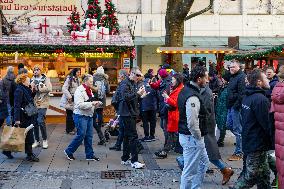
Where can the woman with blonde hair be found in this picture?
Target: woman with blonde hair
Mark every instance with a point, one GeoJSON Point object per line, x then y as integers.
{"type": "Point", "coordinates": [23, 97]}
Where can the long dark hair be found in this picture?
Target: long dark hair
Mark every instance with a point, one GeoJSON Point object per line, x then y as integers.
{"type": "Point", "coordinates": [74, 71]}
{"type": "Point", "coordinates": [179, 79]}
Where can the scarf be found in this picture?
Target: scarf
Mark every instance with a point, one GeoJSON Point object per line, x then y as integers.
{"type": "Point", "coordinates": [88, 90]}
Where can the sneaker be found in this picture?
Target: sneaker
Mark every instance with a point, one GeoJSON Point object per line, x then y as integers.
{"type": "Point", "coordinates": [102, 142]}
{"type": "Point", "coordinates": [227, 174]}
{"type": "Point", "coordinates": [146, 139]}
{"type": "Point", "coordinates": [44, 144]}
{"type": "Point", "coordinates": [36, 144]}
{"type": "Point", "coordinates": [137, 165]}
{"type": "Point", "coordinates": [70, 157]}
{"type": "Point", "coordinates": [152, 138]}
{"type": "Point", "coordinates": [116, 148]}
{"type": "Point", "coordinates": [235, 157]}
{"type": "Point", "coordinates": [161, 154]}
{"type": "Point", "coordinates": [94, 158]}
{"type": "Point", "coordinates": [128, 162]}
{"type": "Point", "coordinates": [71, 133]}
{"type": "Point", "coordinates": [32, 158]}
{"type": "Point", "coordinates": [8, 154]}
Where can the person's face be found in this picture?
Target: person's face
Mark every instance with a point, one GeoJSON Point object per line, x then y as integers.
{"type": "Point", "coordinates": [270, 73]}
{"type": "Point", "coordinates": [202, 81]}
{"type": "Point", "coordinates": [37, 72]}
{"type": "Point", "coordinates": [89, 82]}
{"type": "Point", "coordinates": [27, 82]}
{"type": "Point", "coordinates": [135, 76]}
{"type": "Point", "coordinates": [174, 81]}
{"type": "Point", "coordinates": [78, 73]}
{"type": "Point", "coordinates": [234, 68]}
{"type": "Point", "coordinates": [264, 82]}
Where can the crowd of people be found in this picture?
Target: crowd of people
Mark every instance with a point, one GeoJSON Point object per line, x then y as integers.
{"type": "Point", "coordinates": [189, 105]}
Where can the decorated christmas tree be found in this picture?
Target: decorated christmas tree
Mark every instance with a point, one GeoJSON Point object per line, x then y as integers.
{"type": "Point", "coordinates": [109, 20]}
{"type": "Point", "coordinates": [94, 11]}
{"type": "Point", "coordinates": [74, 21]}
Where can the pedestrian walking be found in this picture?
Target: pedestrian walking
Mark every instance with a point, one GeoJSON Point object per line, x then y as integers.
{"type": "Point", "coordinates": [102, 85]}
{"type": "Point", "coordinates": [191, 130]}
{"type": "Point", "coordinates": [255, 126]}
{"type": "Point", "coordinates": [72, 82]}
{"type": "Point", "coordinates": [84, 106]}
{"type": "Point", "coordinates": [277, 106]}
{"type": "Point", "coordinates": [42, 86]}
{"type": "Point", "coordinates": [236, 91]}
{"type": "Point", "coordinates": [128, 110]}
{"type": "Point", "coordinates": [173, 115]}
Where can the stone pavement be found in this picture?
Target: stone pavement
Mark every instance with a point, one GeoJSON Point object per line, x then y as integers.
{"type": "Point", "coordinates": [55, 171]}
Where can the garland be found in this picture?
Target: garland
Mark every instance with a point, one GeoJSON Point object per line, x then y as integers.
{"type": "Point", "coordinates": [250, 55]}
{"type": "Point", "coordinates": [74, 49]}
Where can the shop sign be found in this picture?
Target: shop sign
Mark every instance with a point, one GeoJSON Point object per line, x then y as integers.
{"type": "Point", "coordinates": [126, 63]}
{"type": "Point", "coordinates": [36, 7]}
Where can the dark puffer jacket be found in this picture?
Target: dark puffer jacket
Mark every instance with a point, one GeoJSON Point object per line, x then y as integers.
{"type": "Point", "coordinates": [165, 85]}
{"type": "Point", "coordinates": [256, 131]}
{"type": "Point", "coordinates": [3, 103]}
{"type": "Point", "coordinates": [8, 81]}
{"type": "Point", "coordinates": [236, 90]}
{"type": "Point", "coordinates": [149, 102]}
{"type": "Point", "coordinates": [272, 84]}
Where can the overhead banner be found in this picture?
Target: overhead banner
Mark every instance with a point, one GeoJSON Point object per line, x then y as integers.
{"type": "Point", "coordinates": [39, 7]}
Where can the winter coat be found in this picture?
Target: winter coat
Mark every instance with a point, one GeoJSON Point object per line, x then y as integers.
{"type": "Point", "coordinates": [210, 139]}
{"type": "Point", "coordinates": [221, 109]}
{"type": "Point", "coordinates": [215, 84]}
{"type": "Point", "coordinates": [98, 77]}
{"type": "Point", "coordinates": [161, 86]}
{"type": "Point", "coordinates": [173, 113]}
{"type": "Point", "coordinates": [23, 96]}
{"type": "Point", "coordinates": [8, 80]}
{"type": "Point", "coordinates": [3, 102]}
{"type": "Point", "coordinates": [82, 103]}
{"type": "Point", "coordinates": [127, 98]}
{"type": "Point", "coordinates": [236, 90]}
{"type": "Point", "coordinates": [277, 106]}
{"type": "Point", "coordinates": [272, 84]}
{"type": "Point", "coordinates": [150, 101]}
{"type": "Point", "coordinates": [42, 95]}
{"type": "Point", "coordinates": [256, 131]}
{"type": "Point", "coordinates": [68, 89]}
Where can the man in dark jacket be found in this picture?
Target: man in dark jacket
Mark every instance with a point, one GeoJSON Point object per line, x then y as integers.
{"type": "Point", "coordinates": [128, 110]}
{"type": "Point", "coordinates": [148, 108]}
{"type": "Point", "coordinates": [236, 90]}
{"type": "Point", "coordinates": [255, 133]}
{"type": "Point", "coordinates": [273, 79]}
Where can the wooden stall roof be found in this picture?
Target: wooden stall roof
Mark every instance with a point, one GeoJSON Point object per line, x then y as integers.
{"type": "Point", "coordinates": [194, 50]}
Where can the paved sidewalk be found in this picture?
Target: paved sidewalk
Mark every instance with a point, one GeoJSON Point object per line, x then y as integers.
{"type": "Point", "coordinates": [55, 171]}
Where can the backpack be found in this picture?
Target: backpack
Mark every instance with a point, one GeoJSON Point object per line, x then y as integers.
{"type": "Point", "coordinates": [101, 89]}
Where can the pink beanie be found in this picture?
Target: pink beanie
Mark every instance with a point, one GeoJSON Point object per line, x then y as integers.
{"type": "Point", "coordinates": [163, 73]}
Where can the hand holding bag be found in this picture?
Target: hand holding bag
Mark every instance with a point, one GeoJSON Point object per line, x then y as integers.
{"type": "Point", "coordinates": [13, 139]}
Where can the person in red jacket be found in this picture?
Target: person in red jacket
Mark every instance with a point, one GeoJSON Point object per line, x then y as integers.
{"type": "Point", "coordinates": [173, 115]}
{"type": "Point", "coordinates": [277, 106]}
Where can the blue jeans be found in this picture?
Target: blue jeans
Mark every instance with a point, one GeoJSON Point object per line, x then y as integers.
{"type": "Point", "coordinates": [9, 118]}
{"type": "Point", "coordinates": [218, 163]}
{"type": "Point", "coordinates": [195, 162]}
{"type": "Point", "coordinates": [84, 126]}
{"type": "Point", "coordinates": [234, 125]}
{"type": "Point", "coordinates": [119, 139]}
{"type": "Point", "coordinates": [163, 124]}
{"type": "Point", "coordinates": [40, 124]}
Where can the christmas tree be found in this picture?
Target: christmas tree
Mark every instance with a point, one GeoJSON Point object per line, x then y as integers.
{"type": "Point", "coordinates": [94, 11]}
{"type": "Point", "coordinates": [109, 20]}
{"type": "Point", "coordinates": [74, 21]}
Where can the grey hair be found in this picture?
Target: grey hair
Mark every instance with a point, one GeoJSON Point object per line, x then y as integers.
{"type": "Point", "coordinates": [86, 77]}
{"type": "Point", "coordinates": [10, 69]}
{"type": "Point", "coordinates": [134, 69]}
{"type": "Point", "coordinates": [123, 73]}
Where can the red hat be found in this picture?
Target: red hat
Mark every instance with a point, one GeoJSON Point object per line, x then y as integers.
{"type": "Point", "coordinates": [163, 73]}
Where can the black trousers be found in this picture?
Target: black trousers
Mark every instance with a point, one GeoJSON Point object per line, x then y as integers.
{"type": "Point", "coordinates": [149, 117]}
{"type": "Point", "coordinates": [98, 127]}
{"type": "Point", "coordinates": [70, 126]}
{"type": "Point", "coordinates": [130, 139]}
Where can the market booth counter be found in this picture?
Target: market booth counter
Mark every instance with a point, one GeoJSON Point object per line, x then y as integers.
{"type": "Point", "coordinates": [59, 54]}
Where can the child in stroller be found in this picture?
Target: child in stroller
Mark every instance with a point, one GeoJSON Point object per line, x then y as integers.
{"type": "Point", "coordinates": [112, 128]}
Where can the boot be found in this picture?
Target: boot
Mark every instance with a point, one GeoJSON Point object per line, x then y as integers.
{"type": "Point", "coordinates": [227, 173]}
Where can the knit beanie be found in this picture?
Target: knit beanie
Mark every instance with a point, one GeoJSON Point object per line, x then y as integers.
{"type": "Point", "coordinates": [163, 73]}
{"type": "Point", "coordinates": [100, 70]}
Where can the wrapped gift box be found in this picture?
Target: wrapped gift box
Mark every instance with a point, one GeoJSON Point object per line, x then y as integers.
{"type": "Point", "coordinates": [37, 28]}
{"type": "Point", "coordinates": [45, 25]}
{"type": "Point", "coordinates": [91, 34]}
{"type": "Point", "coordinates": [103, 33]}
{"type": "Point", "coordinates": [91, 24]}
{"type": "Point", "coordinates": [56, 32]}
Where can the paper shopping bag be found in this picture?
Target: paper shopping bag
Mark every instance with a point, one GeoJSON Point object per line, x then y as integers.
{"type": "Point", "coordinates": [13, 139]}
